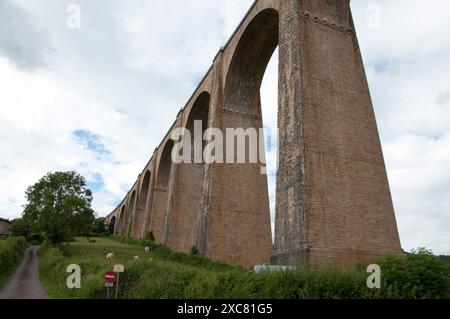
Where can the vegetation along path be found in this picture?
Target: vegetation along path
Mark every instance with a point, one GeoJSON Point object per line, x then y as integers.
{"type": "Point", "coordinates": [25, 283]}
{"type": "Point", "coordinates": [159, 273]}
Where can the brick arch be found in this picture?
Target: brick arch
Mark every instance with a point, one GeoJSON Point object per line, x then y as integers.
{"type": "Point", "coordinates": [186, 197]}
{"type": "Point", "coordinates": [249, 62]}
{"type": "Point", "coordinates": [122, 214]}
{"type": "Point", "coordinates": [112, 225]}
{"type": "Point", "coordinates": [199, 112]}
{"type": "Point", "coordinates": [161, 192]}
{"type": "Point", "coordinates": [142, 205]}
{"type": "Point", "coordinates": [130, 216]}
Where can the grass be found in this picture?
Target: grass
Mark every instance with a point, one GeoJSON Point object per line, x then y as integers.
{"type": "Point", "coordinates": [91, 257]}
{"type": "Point", "coordinates": [11, 254]}
{"type": "Point", "coordinates": [165, 274]}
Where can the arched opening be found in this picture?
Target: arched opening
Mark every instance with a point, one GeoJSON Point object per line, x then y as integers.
{"type": "Point", "coordinates": [269, 106]}
{"type": "Point", "coordinates": [249, 63]}
{"type": "Point", "coordinates": [161, 193]}
{"type": "Point", "coordinates": [246, 203]}
{"type": "Point", "coordinates": [165, 166]}
{"type": "Point", "coordinates": [112, 224]}
{"type": "Point", "coordinates": [199, 113]}
{"type": "Point", "coordinates": [188, 186]}
{"type": "Point", "coordinates": [131, 215]}
{"type": "Point", "coordinates": [141, 208]}
{"type": "Point", "coordinates": [120, 229]}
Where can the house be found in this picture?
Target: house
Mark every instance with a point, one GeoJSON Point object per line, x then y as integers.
{"type": "Point", "coordinates": [5, 226]}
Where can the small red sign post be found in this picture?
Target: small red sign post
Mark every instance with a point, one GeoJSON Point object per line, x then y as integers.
{"type": "Point", "coordinates": [110, 278]}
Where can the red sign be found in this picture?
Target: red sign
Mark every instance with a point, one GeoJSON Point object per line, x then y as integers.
{"type": "Point", "coordinates": [110, 277]}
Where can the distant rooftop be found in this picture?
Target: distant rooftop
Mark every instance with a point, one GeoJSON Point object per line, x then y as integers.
{"type": "Point", "coordinates": [4, 220]}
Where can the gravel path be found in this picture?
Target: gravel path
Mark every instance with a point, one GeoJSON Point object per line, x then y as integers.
{"type": "Point", "coordinates": [25, 283]}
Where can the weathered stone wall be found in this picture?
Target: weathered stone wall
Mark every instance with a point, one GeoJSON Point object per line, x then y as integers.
{"type": "Point", "coordinates": [333, 199]}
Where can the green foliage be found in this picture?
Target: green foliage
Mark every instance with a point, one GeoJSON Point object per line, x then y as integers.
{"type": "Point", "coordinates": [22, 228]}
{"type": "Point", "coordinates": [195, 251]}
{"type": "Point", "coordinates": [11, 253]}
{"type": "Point", "coordinates": [166, 274]}
{"type": "Point", "coordinates": [150, 236]}
{"type": "Point", "coordinates": [156, 280]}
{"type": "Point", "coordinates": [445, 258]}
{"type": "Point", "coordinates": [98, 228]}
{"type": "Point", "coordinates": [36, 238]}
{"type": "Point", "coordinates": [59, 205]}
{"type": "Point", "coordinates": [130, 227]}
{"type": "Point", "coordinates": [419, 274]}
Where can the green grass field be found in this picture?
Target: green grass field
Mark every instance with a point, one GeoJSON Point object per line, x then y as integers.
{"type": "Point", "coordinates": [91, 257]}
{"type": "Point", "coordinates": [170, 275]}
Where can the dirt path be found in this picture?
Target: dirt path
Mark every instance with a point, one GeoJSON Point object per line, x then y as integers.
{"type": "Point", "coordinates": [25, 283]}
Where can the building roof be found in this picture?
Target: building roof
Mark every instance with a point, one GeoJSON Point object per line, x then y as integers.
{"type": "Point", "coordinates": [4, 220]}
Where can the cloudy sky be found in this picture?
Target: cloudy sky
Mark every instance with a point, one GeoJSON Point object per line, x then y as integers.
{"type": "Point", "coordinates": [98, 99]}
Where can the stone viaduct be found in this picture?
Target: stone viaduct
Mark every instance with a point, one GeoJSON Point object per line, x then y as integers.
{"type": "Point", "coordinates": [333, 202]}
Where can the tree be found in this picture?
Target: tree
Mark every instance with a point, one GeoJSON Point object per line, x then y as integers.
{"type": "Point", "coordinates": [22, 228]}
{"type": "Point", "coordinates": [59, 205]}
{"type": "Point", "coordinates": [98, 227]}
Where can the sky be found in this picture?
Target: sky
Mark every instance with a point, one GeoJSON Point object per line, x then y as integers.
{"type": "Point", "coordinates": [98, 94]}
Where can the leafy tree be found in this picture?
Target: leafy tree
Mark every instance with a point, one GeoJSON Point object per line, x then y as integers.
{"type": "Point", "coordinates": [22, 228]}
{"type": "Point", "coordinates": [59, 205]}
{"type": "Point", "coordinates": [98, 227]}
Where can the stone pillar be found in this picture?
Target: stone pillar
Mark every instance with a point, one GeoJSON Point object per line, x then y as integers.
{"type": "Point", "coordinates": [333, 198]}
{"type": "Point", "coordinates": [172, 195]}
{"type": "Point", "coordinates": [148, 208]}
{"type": "Point", "coordinates": [214, 105]}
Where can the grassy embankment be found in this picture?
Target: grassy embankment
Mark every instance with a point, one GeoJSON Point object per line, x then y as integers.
{"type": "Point", "coordinates": [11, 254]}
{"type": "Point", "coordinates": [166, 274]}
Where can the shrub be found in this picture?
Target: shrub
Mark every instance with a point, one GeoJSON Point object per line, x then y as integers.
{"type": "Point", "coordinates": [417, 275]}
{"type": "Point", "coordinates": [150, 236]}
{"type": "Point", "coordinates": [36, 239]}
{"type": "Point", "coordinates": [11, 253]}
{"type": "Point", "coordinates": [157, 280]}
{"type": "Point", "coordinates": [195, 251]}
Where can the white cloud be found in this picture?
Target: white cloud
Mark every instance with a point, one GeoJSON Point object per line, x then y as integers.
{"type": "Point", "coordinates": [406, 62]}
{"type": "Point", "coordinates": [22, 40]}
{"type": "Point", "coordinates": [126, 73]}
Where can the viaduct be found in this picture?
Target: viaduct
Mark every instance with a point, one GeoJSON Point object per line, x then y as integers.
{"type": "Point", "coordinates": [333, 201]}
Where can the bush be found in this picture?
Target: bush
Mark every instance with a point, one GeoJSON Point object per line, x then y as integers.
{"type": "Point", "coordinates": [150, 236]}
{"type": "Point", "coordinates": [195, 251]}
{"type": "Point", "coordinates": [36, 239]}
{"type": "Point", "coordinates": [417, 275]}
{"type": "Point", "coordinates": [22, 228]}
{"type": "Point", "coordinates": [11, 254]}
{"type": "Point", "coordinates": [156, 280]}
